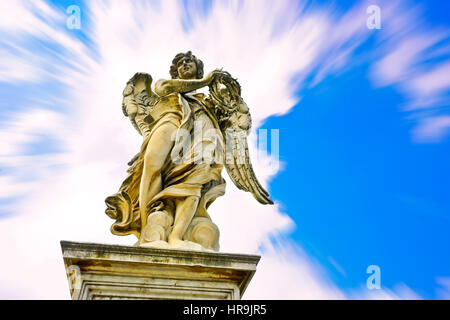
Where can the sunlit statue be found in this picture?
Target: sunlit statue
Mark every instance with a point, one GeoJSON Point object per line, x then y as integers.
{"type": "Point", "coordinates": [188, 139]}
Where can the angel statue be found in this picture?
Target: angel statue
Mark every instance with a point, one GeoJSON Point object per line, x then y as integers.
{"type": "Point", "coordinates": [188, 138]}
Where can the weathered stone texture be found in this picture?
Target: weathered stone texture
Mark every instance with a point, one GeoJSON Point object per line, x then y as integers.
{"type": "Point", "coordinates": [100, 271]}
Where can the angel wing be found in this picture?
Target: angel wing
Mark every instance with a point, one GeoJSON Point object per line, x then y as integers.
{"type": "Point", "coordinates": [237, 161]}
{"type": "Point", "coordinates": [138, 101]}
{"type": "Point", "coordinates": [235, 121]}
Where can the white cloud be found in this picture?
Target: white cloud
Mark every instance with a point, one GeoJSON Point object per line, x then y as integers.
{"type": "Point", "coordinates": [24, 127]}
{"type": "Point", "coordinates": [23, 21]}
{"type": "Point", "coordinates": [425, 86]}
{"type": "Point", "coordinates": [443, 291]}
{"type": "Point", "coordinates": [398, 65]}
{"type": "Point", "coordinates": [432, 129]}
{"type": "Point", "coordinates": [433, 82]}
{"type": "Point", "coordinates": [398, 292]}
{"type": "Point", "coordinates": [415, 60]}
{"type": "Point", "coordinates": [286, 272]}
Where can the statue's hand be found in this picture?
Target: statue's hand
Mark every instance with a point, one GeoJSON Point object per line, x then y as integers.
{"type": "Point", "coordinates": [212, 76]}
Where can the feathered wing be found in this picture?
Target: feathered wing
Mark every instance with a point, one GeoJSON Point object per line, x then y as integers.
{"type": "Point", "coordinates": [237, 159]}
{"type": "Point", "coordinates": [138, 101]}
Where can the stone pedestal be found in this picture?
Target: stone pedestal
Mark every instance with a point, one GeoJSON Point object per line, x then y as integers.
{"type": "Point", "coordinates": [100, 271]}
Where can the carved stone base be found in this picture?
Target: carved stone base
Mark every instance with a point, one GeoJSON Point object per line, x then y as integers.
{"type": "Point", "coordinates": [99, 271]}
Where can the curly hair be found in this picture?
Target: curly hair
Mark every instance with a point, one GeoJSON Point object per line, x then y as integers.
{"type": "Point", "coordinates": [174, 68]}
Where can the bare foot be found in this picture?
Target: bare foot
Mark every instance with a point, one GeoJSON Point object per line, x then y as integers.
{"type": "Point", "coordinates": [155, 244]}
{"type": "Point", "coordinates": [184, 245]}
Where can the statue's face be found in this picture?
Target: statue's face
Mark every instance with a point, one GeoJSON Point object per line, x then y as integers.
{"type": "Point", "coordinates": [187, 68]}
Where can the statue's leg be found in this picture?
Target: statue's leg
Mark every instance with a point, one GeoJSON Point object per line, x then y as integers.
{"type": "Point", "coordinates": [158, 149]}
{"type": "Point", "coordinates": [185, 210]}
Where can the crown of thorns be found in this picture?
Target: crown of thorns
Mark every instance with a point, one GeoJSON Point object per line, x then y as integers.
{"type": "Point", "coordinates": [224, 80]}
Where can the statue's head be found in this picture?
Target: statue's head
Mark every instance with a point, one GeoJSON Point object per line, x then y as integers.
{"type": "Point", "coordinates": [186, 66]}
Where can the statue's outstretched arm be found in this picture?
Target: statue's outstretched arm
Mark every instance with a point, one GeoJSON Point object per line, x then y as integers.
{"type": "Point", "coordinates": [165, 87]}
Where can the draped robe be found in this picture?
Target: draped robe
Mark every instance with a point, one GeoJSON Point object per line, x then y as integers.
{"type": "Point", "coordinates": [192, 168]}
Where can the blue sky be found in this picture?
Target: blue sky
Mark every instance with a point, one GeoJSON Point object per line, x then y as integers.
{"type": "Point", "coordinates": [364, 134]}
{"type": "Point", "coordinates": [359, 190]}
